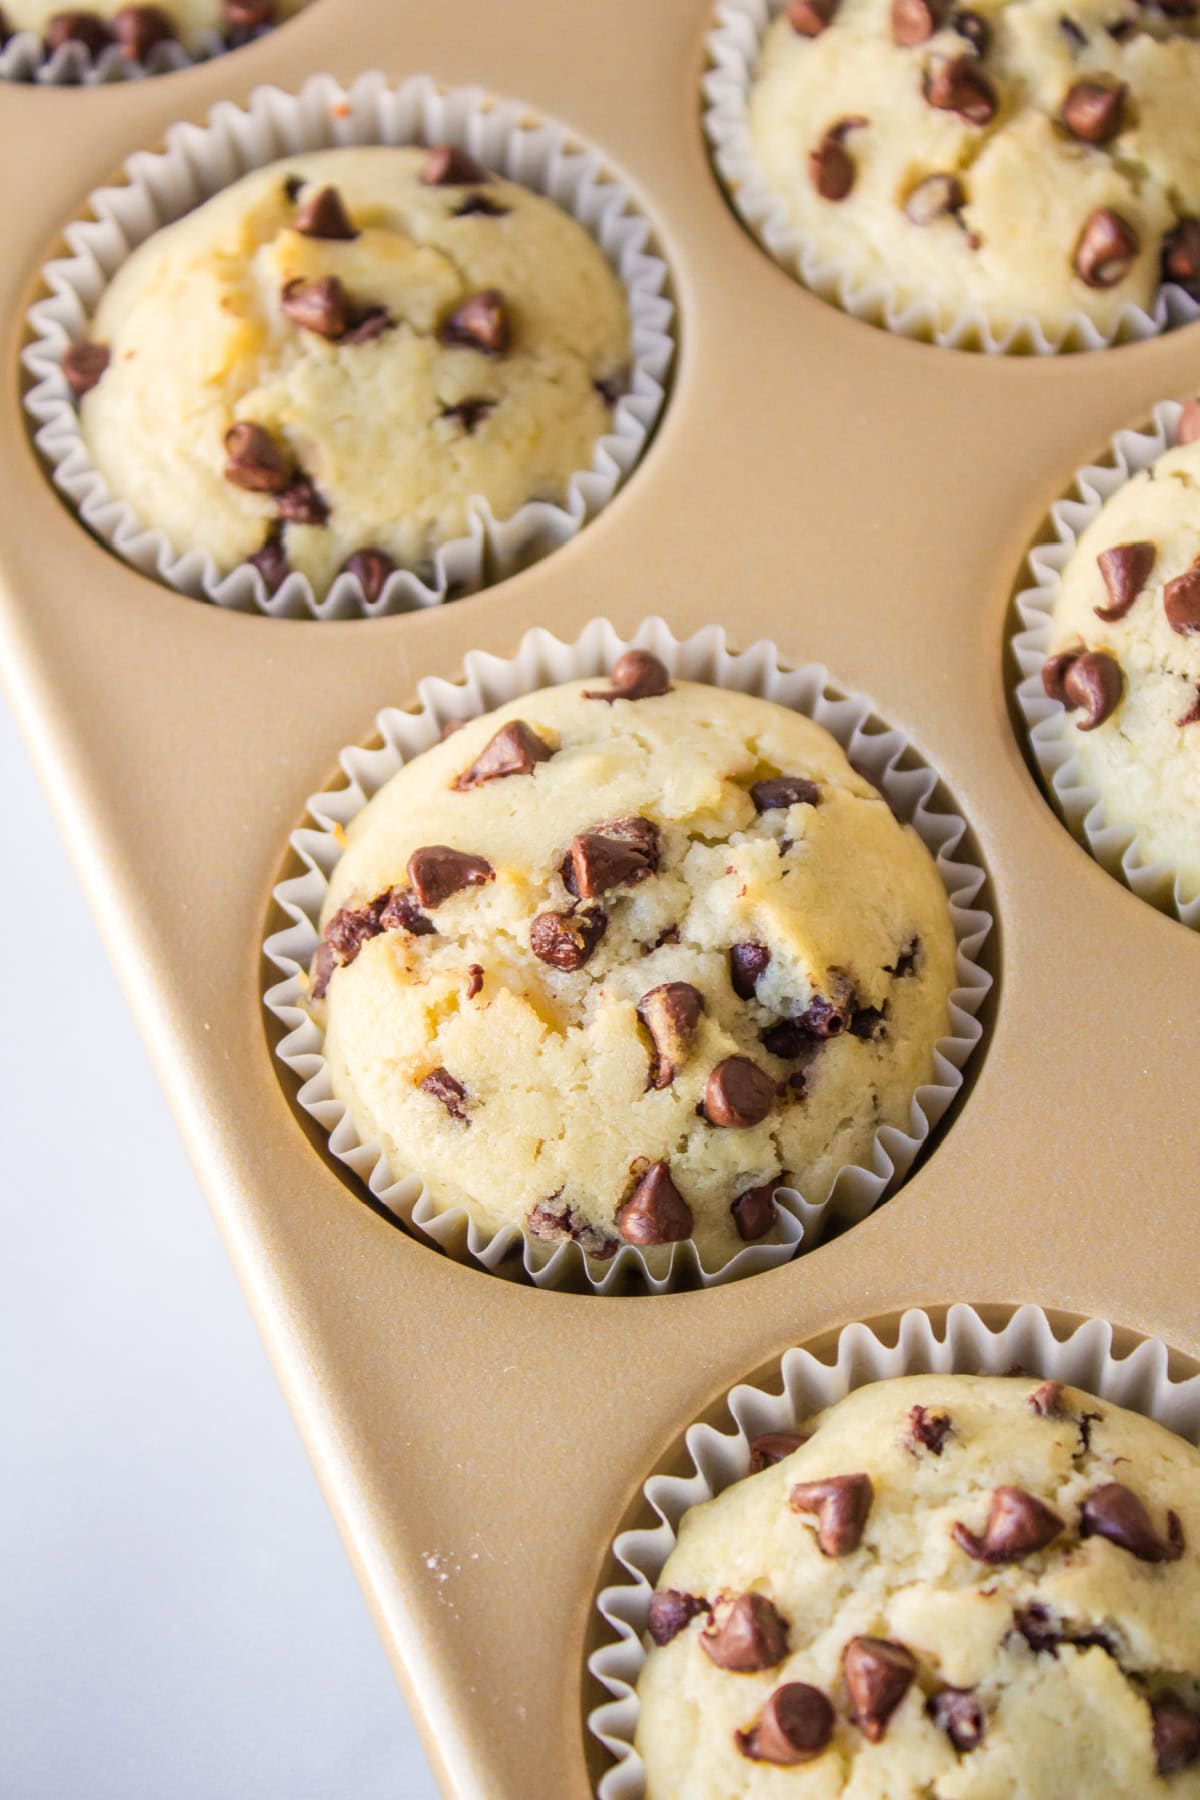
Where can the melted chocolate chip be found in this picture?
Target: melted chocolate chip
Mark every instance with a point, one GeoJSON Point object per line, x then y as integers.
{"type": "Point", "coordinates": [830, 166]}
{"type": "Point", "coordinates": [1073, 34]}
{"type": "Point", "coordinates": [929, 1426]}
{"type": "Point", "coordinates": [1094, 683]}
{"type": "Point", "coordinates": [795, 1724]}
{"type": "Point", "coordinates": [293, 187]}
{"type": "Point", "coordinates": [301, 504]}
{"type": "Point", "coordinates": [840, 1504]}
{"type": "Point", "coordinates": [656, 1212]}
{"type": "Point", "coordinates": [552, 1221]}
{"type": "Point", "coordinates": [671, 1612]}
{"type": "Point", "coordinates": [1107, 249]}
{"type": "Point", "coordinates": [959, 1713]}
{"type": "Point", "coordinates": [1176, 1731]}
{"type": "Point", "coordinates": [1094, 111]}
{"type": "Point", "coordinates": [621, 853]}
{"type": "Point", "coordinates": [959, 85]}
{"type": "Point", "coordinates": [483, 206]}
{"type": "Point", "coordinates": [738, 1094]}
{"type": "Point", "coordinates": [1181, 602]}
{"type": "Point", "coordinates": [441, 1085]}
{"type": "Point", "coordinates": [825, 1017]}
{"type": "Point", "coordinates": [323, 215]}
{"type": "Point", "coordinates": [1046, 1401]}
{"type": "Point", "coordinates": [637, 675]}
{"type": "Point", "coordinates": [480, 323]}
{"type": "Point", "coordinates": [401, 913]}
{"type": "Point", "coordinates": [436, 872]}
{"type": "Point", "coordinates": [86, 28]}
{"type": "Point", "coordinates": [566, 940]}
{"type": "Point", "coordinates": [974, 28]}
{"type": "Point", "coordinates": [754, 1211]}
{"type": "Point", "coordinates": [789, 1041]}
{"type": "Point", "coordinates": [138, 29]}
{"type": "Point", "coordinates": [1125, 569]}
{"type": "Point", "coordinates": [670, 1014]}
{"type": "Point", "coordinates": [372, 569]}
{"type": "Point", "coordinates": [516, 749]}
{"type": "Point", "coordinates": [1181, 256]}
{"type": "Point", "coordinates": [809, 18]}
{"type": "Point", "coordinates": [1115, 1512]}
{"type": "Point", "coordinates": [906, 963]}
{"type": "Point", "coordinates": [469, 413]}
{"type": "Point", "coordinates": [868, 1023]}
{"type": "Point", "coordinates": [320, 970]}
{"type": "Point", "coordinates": [1018, 1526]}
{"type": "Point", "coordinates": [879, 1673]}
{"type": "Point", "coordinates": [747, 963]}
{"type": "Point", "coordinates": [750, 1636]}
{"type": "Point", "coordinates": [446, 165]}
{"type": "Point", "coordinates": [272, 561]}
{"type": "Point", "coordinates": [317, 306]}
{"type": "Point", "coordinates": [611, 387]}
{"type": "Point", "coordinates": [83, 365]}
{"type": "Point", "coordinates": [1192, 715]}
{"type": "Point", "coordinates": [254, 460]}
{"type": "Point", "coordinates": [937, 197]}
{"type": "Point", "coordinates": [474, 980]}
{"type": "Point", "coordinates": [351, 927]}
{"type": "Point", "coordinates": [784, 791]}
{"type": "Point", "coordinates": [365, 324]}
{"type": "Point", "coordinates": [771, 1447]}
{"type": "Point", "coordinates": [1044, 1634]}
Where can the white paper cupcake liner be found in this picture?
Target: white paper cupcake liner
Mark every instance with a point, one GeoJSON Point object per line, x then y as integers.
{"type": "Point", "coordinates": [733, 46]}
{"type": "Point", "coordinates": [1115, 847]}
{"type": "Point", "coordinates": [1140, 1381]}
{"type": "Point", "coordinates": [885, 756]}
{"type": "Point", "coordinates": [200, 160]}
{"type": "Point", "coordinates": [24, 59]}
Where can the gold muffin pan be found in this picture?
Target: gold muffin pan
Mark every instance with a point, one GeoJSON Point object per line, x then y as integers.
{"type": "Point", "coordinates": [863, 501]}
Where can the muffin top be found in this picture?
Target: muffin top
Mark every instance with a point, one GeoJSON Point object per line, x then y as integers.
{"type": "Point", "coordinates": [1125, 660]}
{"type": "Point", "coordinates": [611, 963]}
{"type": "Point", "coordinates": [331, 357]}
{"type": "Point", "coordinates": [1018, 158]}
{"type": "Point", "coordinates": [979, 1588]}
{"type": "Point", "coordinates": [137, 29]}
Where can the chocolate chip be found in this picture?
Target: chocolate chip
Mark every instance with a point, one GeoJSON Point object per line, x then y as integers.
{"type": "Point", "coordinates": [469, 413]}
{"type": "Point", "coordinates": [1094, 682]}
{"type": "Point", "coordinates": [771, 1447]}
{"type": "Point", "coordinates": [566, 940]}
{"type": "Point", "coordinates": [474, 980]}
{"type": "Point", "coordinates": [746, 965]}
{"type": "Point", "coordinates": [958, 1712]}
{"type": "Point", "coordinates": [906, 963]}
{"type": "Point", "coordinates": [255, 461]}
{"type": "Point", "coordinates": [1018, 1526]}
{"type": "Point", "coordinates": [1073, 34]}
{"type": "Point", "coordinates": [1192, 715]}
{"type": "Point", "coordinates": [1107, 249]}
{"type": "Point", "coordinates": [446, 165]}
{"type": "Point", "coordinates": [824, 1017]}
{"type": "Point", "coordinates": [301, 504]}
{"type": "Point", "coordinates": [317, 306]}
{"type": "Point", "coordinates": [293, 187]}
{"type": "Point", "coordinates": [750, 1636]}
{"type": "Point", "coordinates": [868, 1023]}
{"type": "Point", "coordinates": [272, 561]}
{"type": "Point", "coordinates": [783, 791]}
{"type": "Point", "coordinates": [366, 323]}
{"type": "Point", "coordinates": [671, 1612]}
{"type": "Point", "coordinates": [1120, 31]}
{"type": "Point", "coordinates": [1094, 111]}
{"type": "Point", "coordinates": [959, 85]}
{"type": "Point", "coordinates": [550, 1220]}
{"type": "Point", "coordinates": [670, 1014]}
{"type": "Point", "coordinates": [401, 913]}
{"type": "Point", "coordinates": [83, 365]}
{"type": "Point", "coordinates": [754, 1211]}
{"type": "Point", "coordinates": [138, 29]}
{"type": "Point", "coordinates": [515, 749]}
{"type": "Point", "coordinates": [1044, 1634]}
{"type": "Point", "coordinates": [480, 323]}
{"type": "Point", "coordinates": [320, 971]}
{"type": "Point", "coordinates": [372, 569]}
{"type": "Point", "coordinates": [353, 926]}
{"type": "Point", "coordinates": [809, 18]}
{"type": "Point", "coordinates": [1188, 429]}
{"type": "Point", "coordinates": [789, 1041]}
{"type": "Point", "coordinates": [247, 16]}
{"type": "Point", "coordinates": [436, 872]}
{"type": "Point", "coordinates": [840, 1504]}
{"type": "Point", "coordinates": [324, 215]}
{"type": "Point", "coordinates": [1176, 1731]}
{"type": "Point", "coordinates": [656, 1212]}
{"type": "Point", "coordinates": [1115, 1512]}
{"type": "Point", "coordinates": [637, 675]}
{"type": "Point", "coordinates": [937, 197]}
{"type": "Point", "coordinates": [974, 28]}
{"type": "Point", "coordinates": [830, 168]}
{"type": "Point", "coordinates": [483, 205]}
{"type": "Point", "coordinates": [1125, 569]}
{"type": "Point", "coordinates": [1181, 256]}
{"type": "Point", "coordinates": [738, 1094]}
{"type": "Point", "coordinates": [1046, 1401]}
{"type": "Point", "coordinates": [452, 1094]}
{"type": "Point", "coordinates": [929, 1426]}
{"type": "Point", "coordinates": [611, 387]}
{"type": "Point", "coordinates": [795, 1724]}
{"type": "Point", "coordinates": [86, 28]}
{"type": "Point", "coordinates": [621, 853]}
{"type": "Point", "coordinates": [1054, 671]}
{"type": "Point", "coordinates": [1181, 601]}
{"type": "Point", "coordinates": [913, 22]}
{"type": "Point", "coordinates": [878, 1674]}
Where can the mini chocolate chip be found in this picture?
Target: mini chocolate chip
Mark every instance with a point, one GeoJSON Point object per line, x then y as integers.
{"type": "Point", "coordinates": [83, 365]}
{"type": "Point", "coordinates": [937, 197]}
{"type": "Point", "coordinates": [482, 205]}
{"type": "Point", "coordinates": [974, 28]}
{"type": "Point", "coordinates": [1192, 715]}
{"type": "Point", "coordinates": [656, 1212]}
{"type": "Point", "coordinates": [366, 323]}
{"type": "Point", "coordinates": [1115, 1512]}
{"type": "Point", "coordinates": [636, 675]}
{"type": "Point", "coordinates": [783, 791]}
{"type": "Point", "coordinates": [1073, 34]}
{"type": "Point", "coordinates": [830, 167]}
{"type": "Point", "coordinates": [929, 1426]}
{"type": "Point", "coordinates": [755, 1212]}
{"type": "Point", "coordinates": [738, 1094]}
{"type": "Point", "coordinates": [1094, 111]}
{"type": "Point", "coordinates": [316, 306]}
{"type": "Point", "coordinates": [809, 18]}
{"type": "Point", "coordinates": [671, 1612]}
{"type": "Point", "coordinates": [959, 85]}
{"type": "Point", "coordinates": [255, 461]}
{"type": "Point", "coordinates": [552, 1222]}
{"type": "Point", "coordinates": [1094, 682]}
{"type": "Point", "coordinates": [1181, 256]}
{"type": "Point", "coordinates": [771, 1447]}
{"type": "Point", "coordinates": [1046, 1400]}
{"type": "Point", "coordinates": [566, 940]}
{"type": "Point", "coordinates": [670, 1014]}
{"type": "Point", "coordinates": [1018, 1526]}
{"type": "Point", "coordinates": [446, 165]}
{"type": "Point", "coordinates": [452, 1094]}
{"type": "Point", "coordinates": [840, 1504]}
{"type": "Point", "coordinates": [750, 1636]}
{"type": "Point", "coordinates": [1181, 601]}
{"type": "Point", "coordinates": [436, 872]}
{"type": "Point", "coordinates": [401, 913]}
{"type": "Point", "coordinates": [958, 1712]}
{"type": "Point", "coordinates": [86, 28]}
{"type": "Point", "coordinates": [913, 22]}
{"type": "Point", "coordinates": [746, 965]}
{"type": "Point", "coordinates": [879, 1673]}
{"type": "Point", "coordinates": [480, 323]}
{"type": "Point", "coordinates": [353, 926]}
{"type": "Point", "coordinates": [1188, 429]}
{"type": "Point", "coordinates": [1176, 1735]}
{"type": "Point", "coordinates": [320, 971]}
{"type": "Point", "coordinates": [515, 749]}
{"type": "Point", "coordinates": [469, 413]}
{"type": "Point", "coordinates": [620, 853]}
{"type": "Point", "coordinates": [372, 569]}
{"type": "Point", "coordinates": [301, 504]}
{"type": "Point", "coordinates": [474, 980]}
{"type": "Point", "coordinates": [324, 215]}
{"type": "Point", "coordinates": [796, 1724]}
{"type": "Point", "coordinates": [1107, 249]}
{"type": "Point", "coordinates": [1125, 569]}
{"type": "Point", "coordinates": [272, 561]}
{"type": "Point", "coordinates": [138, 29]}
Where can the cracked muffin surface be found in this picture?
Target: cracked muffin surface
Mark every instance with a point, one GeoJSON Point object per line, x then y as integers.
{"type": "Point", "coordinates": [968, 1587]}
{"type": "Point", "coordinates": [326, 360]}
{"type": "Point", "coordinates": [1017, 158]}
{"type": "Point", "coordinates": [612, 963]}
{"type": "Point", "coordinates": [1125, 657]}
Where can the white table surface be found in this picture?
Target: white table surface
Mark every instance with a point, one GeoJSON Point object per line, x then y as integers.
{"type": "Point", "coordinates": [178, 1620]}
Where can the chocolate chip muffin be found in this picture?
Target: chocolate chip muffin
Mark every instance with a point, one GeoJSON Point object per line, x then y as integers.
{"type": "Point", "coordinates": [951, 1585]}
{"type": "Point", "coordinates": [1022, 157]}
{"type": "Point", "coordinates": [1125, 657]}
{"type": "Point", "coordinates": [137, 30]}
{"type": "Point", "coordinates": [614, 962]}
{"type": "Point", "coordinates": [321, 366]}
